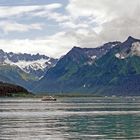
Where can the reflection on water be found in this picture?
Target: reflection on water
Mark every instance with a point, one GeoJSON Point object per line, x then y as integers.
{"type": "Point", "coordinates": [70, 119]}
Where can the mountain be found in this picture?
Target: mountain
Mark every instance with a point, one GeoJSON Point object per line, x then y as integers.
{"type": "Point", "coordinates": [113, 71]}
{"type": "Point", "coordinates": [36, 65]}
{"type": "Point", "coordinates": [14, 75]}
{"type": "Point", "coordinates": [23, 69]}
{"type": "Point", "coordinates": [112, 75]}
{"type": "Point", "coordinates": [71, 63]}
{"type": "Point", "coordinates": [7, 89]}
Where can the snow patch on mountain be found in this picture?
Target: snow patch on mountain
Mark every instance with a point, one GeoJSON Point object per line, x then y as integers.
{"type": "Point", "coordinates": [136, 49]}
{"type": "Point", "coordinates": [27, 65]}
{"type": "Point", "coordinates": [36, 64]}
{"type": "Point", "coordinates": [120, 56]}
{"type": "Point", "coordinates": [93, 57]}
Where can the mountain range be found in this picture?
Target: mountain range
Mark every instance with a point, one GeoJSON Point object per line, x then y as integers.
{"type": "Point", "coordinates": [23, 69]}
{"type": "Point", "coordinates": [37, 65]}
{"type": "Point", "coordinates": [111, 69]}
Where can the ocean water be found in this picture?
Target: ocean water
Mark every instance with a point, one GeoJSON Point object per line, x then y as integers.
{"type": "Point", "coordinates": [82, 118]}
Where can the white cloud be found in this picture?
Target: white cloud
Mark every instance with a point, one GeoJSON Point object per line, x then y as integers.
{"type": "Point", "coordinates": [7, 11]}
{"type": "Point", "coordinates": [70, 24]}
{"type": "Point", "coordinates": [105, 10]}
{"type": "Point", "coordinates": [9, 26]}
{"type": "Point", "coordinates": [58, 17]}
{"type": "Point", "coordinates": [85, 23]}
{"type": "Point", "coordinates": [53, 6]}
{"type": "Point", "coordinates": [120, 29]}
{"type": "Point", "coordinates": [54, 46]}
{"type": "Point", "coordinates": [87, 8]}
{"type": "Point", "coordinates": [34, 10]}
{"type": "Point", "coordinates": [116, 20]}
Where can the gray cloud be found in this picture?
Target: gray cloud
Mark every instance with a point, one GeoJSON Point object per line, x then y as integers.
{"type": "Point", "coordinates": [85, 23]}
{"type": "Point", "coordinates": [117, 19]}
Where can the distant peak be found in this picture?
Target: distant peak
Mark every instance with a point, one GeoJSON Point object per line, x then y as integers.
{"type": "Point", "coordinates": [130, 38]}
{"type": "Point", "coordinates": [74, 50]}
{"type": "Point", "coordinates": [75, 47]}
{"type": "Point", "coordinates": [1, 51]}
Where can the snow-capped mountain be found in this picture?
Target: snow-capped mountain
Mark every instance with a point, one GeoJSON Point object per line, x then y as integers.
{"type": "Point", "coordinates": [90, 54]}
{"type": "Point", "coordinates": [131, 47]}
{"type": "Point", "coordinates": [37, 65]}
{"type": "Point", "coordinates": [112, 69]}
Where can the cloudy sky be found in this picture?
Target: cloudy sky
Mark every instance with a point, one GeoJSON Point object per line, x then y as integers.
{"type": "Point", "coordinates": [53, 27]}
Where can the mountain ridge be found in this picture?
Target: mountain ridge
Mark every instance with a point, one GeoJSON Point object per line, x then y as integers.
{"type": "Point", "coordinates": [36, 65]}
{"type": "Point", "coordinates": [73, 73]}
{"type": "Point", "coordinates": [111, 69]}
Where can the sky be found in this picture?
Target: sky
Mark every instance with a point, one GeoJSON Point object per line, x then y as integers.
{"type": "Point", "coordinates": [53, 27]}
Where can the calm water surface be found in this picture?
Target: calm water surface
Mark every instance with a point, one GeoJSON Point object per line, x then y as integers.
{"type": "Point", "coordinates": [70, 119]}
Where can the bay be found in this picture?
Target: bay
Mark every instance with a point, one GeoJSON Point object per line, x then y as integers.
{"type": "Point", "coordinates": [73, 118]}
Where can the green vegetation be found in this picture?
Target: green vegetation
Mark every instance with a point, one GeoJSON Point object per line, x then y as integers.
{"type": "Point", "coordinates": [10, 90]}
{"type": "Point", "coordinates": [13, 74]}
{"type": "Point", "coordinates": [108, 75]}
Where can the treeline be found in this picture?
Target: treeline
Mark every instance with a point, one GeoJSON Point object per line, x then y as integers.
{"type": "Point", "coordinates": [8, 89]}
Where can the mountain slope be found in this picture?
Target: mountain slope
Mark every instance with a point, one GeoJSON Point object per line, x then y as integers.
{"type": "Point", "coordinates": [36, 65]}
{"type": "Point", "coordinates": [13, 74]}
{"type": "Point", "coordinates": [7, 89]}
{"type": "Point", "coordinates": [116, 72]}
{"type": "Point", "coordinates": [70, 64]}
{"type": "Point", "coordinates": [23, 69]}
